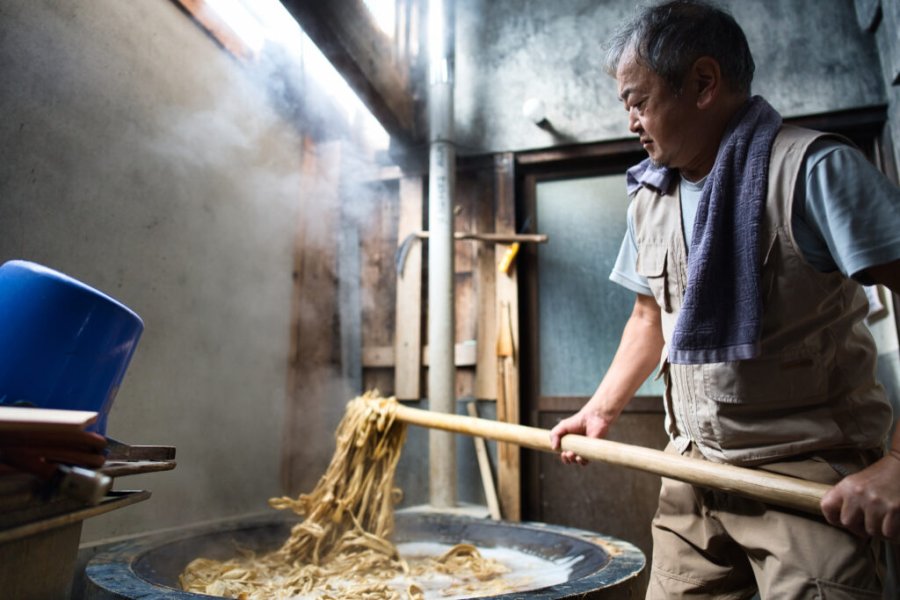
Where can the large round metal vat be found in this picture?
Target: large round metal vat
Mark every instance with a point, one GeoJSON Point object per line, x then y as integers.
{"type": "Point", "coordinates": [596, 566]}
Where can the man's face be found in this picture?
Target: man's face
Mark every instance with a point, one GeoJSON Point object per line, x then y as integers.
{"type": "Point", "coordinates": [662, 119]}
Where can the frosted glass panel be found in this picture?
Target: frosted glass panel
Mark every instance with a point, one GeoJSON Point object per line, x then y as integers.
{"type": "Point", "coordinates": [581, 311]}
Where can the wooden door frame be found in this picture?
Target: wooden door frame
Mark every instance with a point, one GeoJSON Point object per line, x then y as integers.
{"type": "Point", "coordinates": [533, 168]}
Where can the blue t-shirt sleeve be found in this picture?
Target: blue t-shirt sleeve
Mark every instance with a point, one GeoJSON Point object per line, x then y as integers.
{"type": "Point", "coordinates": [850, 219]}
{"type": "Point", "coordinates": [624, 272]}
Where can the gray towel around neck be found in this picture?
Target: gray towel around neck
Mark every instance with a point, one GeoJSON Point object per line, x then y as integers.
{"type": "Point", "coordinates": [721, 316]}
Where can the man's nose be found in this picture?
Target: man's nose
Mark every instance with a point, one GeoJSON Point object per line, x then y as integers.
{"type": "Point", "coordinates": [634, 125]}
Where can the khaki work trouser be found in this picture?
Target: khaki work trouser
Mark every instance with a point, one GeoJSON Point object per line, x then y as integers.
{"type": "Point", "coordinates": [709, 544]}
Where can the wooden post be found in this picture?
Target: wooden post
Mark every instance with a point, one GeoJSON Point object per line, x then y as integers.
{"type": "Point", "coordinates": [507, 311]}
{"type": "Point", "coordinates": [485, 293]}
{"type": "Point", "coordinates": [408, 336]}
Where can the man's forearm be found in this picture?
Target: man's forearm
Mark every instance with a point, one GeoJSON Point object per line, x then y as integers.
{"type": "Point", "coordinates": [638, 354]}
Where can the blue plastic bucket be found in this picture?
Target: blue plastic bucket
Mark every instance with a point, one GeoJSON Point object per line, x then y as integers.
{"type": "Point", "coordinates": [63, 344]}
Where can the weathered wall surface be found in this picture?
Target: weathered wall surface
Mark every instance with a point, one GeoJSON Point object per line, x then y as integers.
{"type": "Point", "coordinates": [137, 157]}
{"type": "Point", "coordinates": [811, 57]}
{"type": "Point", "coordinates": [886, 31]}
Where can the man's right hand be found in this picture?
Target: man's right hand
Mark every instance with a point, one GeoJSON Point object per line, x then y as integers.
{"type": "Point", "coordinates": [585, 422]}
{"type": "Point", "coordinates": [637, 356]}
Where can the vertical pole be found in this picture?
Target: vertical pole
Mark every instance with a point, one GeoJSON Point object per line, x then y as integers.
{"type": "Point", "coordinates": [441, 187]}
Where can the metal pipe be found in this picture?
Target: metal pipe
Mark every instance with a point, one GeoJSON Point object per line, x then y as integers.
{"type": "Point", "coordinates": [441, 186]}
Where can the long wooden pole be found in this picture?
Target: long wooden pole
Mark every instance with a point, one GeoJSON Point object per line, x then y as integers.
{"type": "Point", "coordinates": [767, 487]}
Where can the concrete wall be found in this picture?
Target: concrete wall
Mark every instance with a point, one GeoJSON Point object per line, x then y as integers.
{"type": "Point", "coordinates": [886, 32]}
{"type": "Point", "coordinates": [811, 57]}
{"type": "Point", "coordinates": [138, 157]}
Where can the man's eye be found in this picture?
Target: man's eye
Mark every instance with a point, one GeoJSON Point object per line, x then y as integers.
{"type": "Point", "coordinates": [637, 105]}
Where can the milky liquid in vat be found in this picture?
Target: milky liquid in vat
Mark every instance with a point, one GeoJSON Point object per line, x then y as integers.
{"type": "Point", "coordinates": [526, 572]}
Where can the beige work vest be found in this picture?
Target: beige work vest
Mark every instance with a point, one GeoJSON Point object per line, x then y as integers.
{"type": "Point", "coordinates": [813, 385]}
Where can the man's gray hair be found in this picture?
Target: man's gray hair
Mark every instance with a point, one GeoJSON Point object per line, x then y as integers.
{"type": "Point", "coordinates": [670, 37]}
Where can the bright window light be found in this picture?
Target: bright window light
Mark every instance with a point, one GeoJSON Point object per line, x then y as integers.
{"type": "Point", "coordinates": [235, 14]}
{"type": "Point", "coordinates": [384, 12]}
{"type": "Point", "coordinates": [261, 22]}
{"type": "Point", "coordinates": [436, 32]}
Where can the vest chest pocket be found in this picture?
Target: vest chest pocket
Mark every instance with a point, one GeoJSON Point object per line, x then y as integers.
{"type": "Point", "coordinates": [652, 264]}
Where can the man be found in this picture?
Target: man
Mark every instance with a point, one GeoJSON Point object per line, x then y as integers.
{"type": "Point", "coordinates": [746, 244]}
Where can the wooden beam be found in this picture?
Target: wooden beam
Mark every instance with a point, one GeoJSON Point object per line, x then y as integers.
{"type": "Point", "coordinates": [381, 357]}
{"type": "Point", "coordinates": [347, 35]}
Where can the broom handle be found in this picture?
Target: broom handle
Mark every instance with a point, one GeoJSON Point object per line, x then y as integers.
{"type": "Point", "coordinates": [768, 487]}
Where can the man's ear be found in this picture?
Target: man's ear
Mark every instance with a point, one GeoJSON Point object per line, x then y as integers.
{"type": "Point", "coordinates": [706, 77]}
